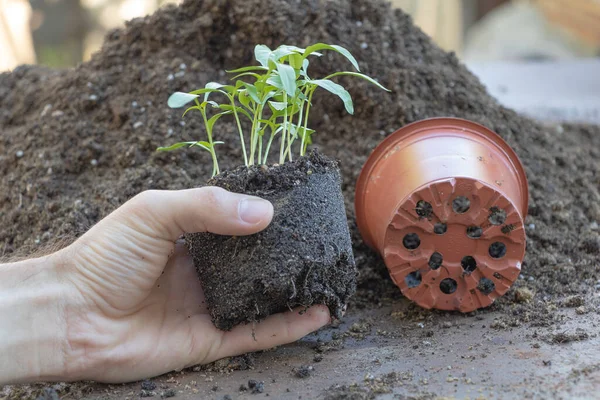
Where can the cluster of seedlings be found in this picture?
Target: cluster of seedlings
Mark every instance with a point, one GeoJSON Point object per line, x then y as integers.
{"type": "Point", "coordinates": [269, 100]}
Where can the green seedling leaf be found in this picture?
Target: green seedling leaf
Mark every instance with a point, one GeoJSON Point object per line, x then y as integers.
{"type": "Point", "coordinates": [322, 46]}
{"type": "Point", "coordinates": [214, 104]}
{"type": "Point", "coordinates": [269, 123]}
{"type": "Point", "coordinates": [212, 120]}
{"type": "Point", "coordinates": [280, 106]}
{"type": "Point", "coordinates": [247, 69]}
{"type": "Point", "coordinates": [189, 109]}
{"type": "Point", "coordinates": [295, 61]}
{"type": "Point", "coordinates": [214, 85]}
{"type": "Point", "coordinates": [262, 53]}
{"type": "Point", "coordinates": [252, 74]}
{"type": "Point", "coordinates": [304, 69]}
{"type": "Point", "coordinates": [288, 78]}
{"type": "Point", "coordinates": [338, 90]}
{"type": "Point", "coordinates": [306, 135]}
{"type": "Point", "coordinates": [180, 99]}
{"type": "Point", "coordinates": [275, 81]}
{"type": "Point", "coordinates": [244, 98]}
{"type": "Point", "coordinates": [252, 91]}
{"type": "Point", "coordinates": [359, 75]}
{"type": "Point", "coordinates": [205, 145]}
{"type": "Point", "coordinates": [175, 146]}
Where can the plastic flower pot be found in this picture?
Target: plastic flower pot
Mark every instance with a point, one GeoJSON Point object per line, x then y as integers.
{"type": "Point", "coordinates": [443, 201]}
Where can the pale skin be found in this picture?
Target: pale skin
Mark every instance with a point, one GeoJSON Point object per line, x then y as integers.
{"type": "Point", "coordinates": [123, 302]}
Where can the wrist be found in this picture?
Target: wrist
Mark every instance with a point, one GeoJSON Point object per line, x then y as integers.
{"type": "Point", "coordinates": [32, 310]}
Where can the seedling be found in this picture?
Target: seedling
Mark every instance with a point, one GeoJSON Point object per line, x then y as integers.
{"type": "Point", "coordinates": [274, 97]}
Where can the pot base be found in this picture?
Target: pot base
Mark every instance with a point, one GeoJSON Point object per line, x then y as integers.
{"type": "Point", "coordinates": [455, 244]}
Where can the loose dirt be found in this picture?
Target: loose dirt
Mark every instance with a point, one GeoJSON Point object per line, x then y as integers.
{"type": "Point", "coordinates": [77, 143]}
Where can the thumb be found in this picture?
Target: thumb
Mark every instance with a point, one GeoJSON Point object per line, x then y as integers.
{"type": "Point", "coordinates": [168, 214]}
{"type": "Point", "coordinates": [127, 251]}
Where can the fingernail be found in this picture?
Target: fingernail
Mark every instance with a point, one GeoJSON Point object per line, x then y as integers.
{"type": "Point", "coordinates": [254, 210]}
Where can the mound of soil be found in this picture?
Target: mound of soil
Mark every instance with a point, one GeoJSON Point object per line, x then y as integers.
{"type": "Point", "coordinates": [77, 143]}
{"type": "Point", "coordinates": [303, 258]}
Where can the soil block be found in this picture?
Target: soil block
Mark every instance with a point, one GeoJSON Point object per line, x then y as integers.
{"type": "Point", "coordinates": [303, 258]}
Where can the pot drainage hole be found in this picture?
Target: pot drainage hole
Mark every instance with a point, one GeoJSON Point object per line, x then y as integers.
{"type": "Point", "coordinates": [486, 286]}
{"type": "Point", "coordinates": [474, 232]}
{"type": "Point", "coordinates": [448, 286]}
{"type": "Point", "coordinates": [497, 216]}
{"type": "Point", "coordinates": [440, 228]}
{"type": "Point", "coordinates": [424, 209]}
{"type": "Point", "coordinates": [469, 264]}
{"type": "Point", "coordinates": [413, 279]}
{"type": "Point", "coordinates": [411, 241]}
{"type": "Point", "coordinates": [461, 205]}
{"type": "Point", "coordinates": [435, 261]}
{"type": "Point", "coordinates": [497, 250]}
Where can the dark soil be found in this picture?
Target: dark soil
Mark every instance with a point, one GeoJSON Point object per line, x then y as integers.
{"type": "Point", "coordinates": [88, 135]}
{"type": "Point", "coordinates": [303, 258]}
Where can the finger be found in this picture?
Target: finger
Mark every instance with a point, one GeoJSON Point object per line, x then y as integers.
{"type": "Point", "coordinates": [274, 331]}
{"type": "Point", "coordinates": [169, 214]}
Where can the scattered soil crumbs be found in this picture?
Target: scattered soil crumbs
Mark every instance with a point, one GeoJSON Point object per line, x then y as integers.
{"type": "Point", "coordinates": [78, 143]}
{"type": "Point", "coordinates": [566, 337]}
{"type": "Point", "coordinates": [372, 387]}
{"type": "Point", "coordinates": [304, 371]}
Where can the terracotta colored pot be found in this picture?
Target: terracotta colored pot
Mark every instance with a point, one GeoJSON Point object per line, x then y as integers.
{"type": "Point", "coordinates": [443, 201]}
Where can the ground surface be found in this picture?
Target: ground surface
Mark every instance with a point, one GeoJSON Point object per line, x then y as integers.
{"type": "Point", "coordinates": [75, 144]}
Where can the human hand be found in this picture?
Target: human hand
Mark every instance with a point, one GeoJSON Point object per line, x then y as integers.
{"type": "Point", "coordinates": [131, 305]}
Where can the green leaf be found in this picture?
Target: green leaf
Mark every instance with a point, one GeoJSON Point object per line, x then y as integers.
{"type": "Point", "coordinates": [296, 60]}
{"type": "Point", "coordinates": [304, 70]}
{"type": "Point", "coordinates": [252, 74]}
{"type": "Point", "coordinates": [278, 105]}
{"type": "Point", "coordinates": [247, 69]}
{"type": "Point", "coordinates": [283, 51]}
{"type": "Point", "coordinates": [175, 146]}
{"type": "Point", "coordinates": [359, 75]}
{"type": "Point", "coordinates": [269, 123]}
{"type": "Point", "coordinates": [212, 120]}
{"type": "Point", "coordinates": [180, 99]}
{"type": "Point", "coordinates": [338, 90]}
{"type": "Point", "coordinates": [214, 85]}
{"type": "Point", "coordinates": [275, 80]}
{"type": "Point", "coordinates": [202, 146]}
{"type": "Point", "coordinates": [262, 53]}
{"type": "Point", "coordinates": [307, 134]}
{"type": "Point", "coordinates": [339, 49]}
{"type": "Point", "coordinates": [189, 109]}
{"type": "Point", "coordinates": [288, 78]}
{"type": "Point", "coordinates": [252, 91]}
{"type": "Point", "coordinates": [244, 98]}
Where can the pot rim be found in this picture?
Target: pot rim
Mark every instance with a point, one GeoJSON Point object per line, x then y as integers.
{"type": "Point", "coordinates": [416, 128]}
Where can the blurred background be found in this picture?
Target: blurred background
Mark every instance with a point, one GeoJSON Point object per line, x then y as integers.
{"type": "Point", "coordinates": [61, 33]}
{"type": "Point", "coordinates": [502, 41]}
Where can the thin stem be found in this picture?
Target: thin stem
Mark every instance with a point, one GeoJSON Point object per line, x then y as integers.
{"type": "Point", "coordinates": [256, 133]}
{"type": "Point", "coordinates": [210, 141]}
{"type": "Point", "coordinates": [260, 145]}
{"type": "Point", "coordinates": [284, 133]}
{"type": "Point", "coordinates": [304, 145]}
{"type": "Point", "coordinates": [298, 129]}
{"type": "Point", "coordinates": [239, 125]}
{"type": "Point", "coordinates": [269, 146]}
{"type": "Point", "coordinates": [252, 138]}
